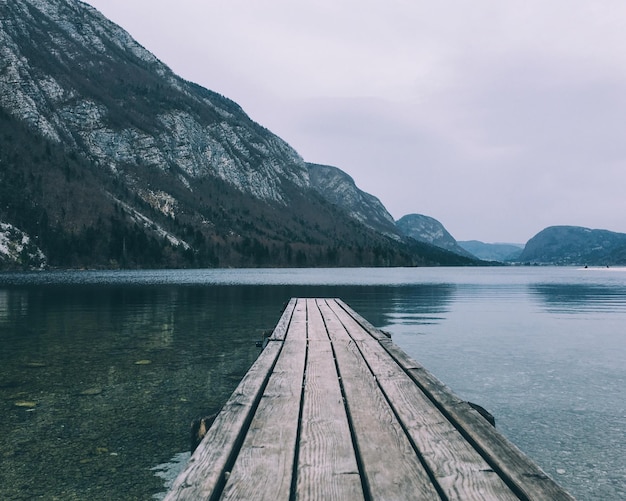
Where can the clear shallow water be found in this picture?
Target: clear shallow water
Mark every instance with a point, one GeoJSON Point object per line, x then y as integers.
{"type": "Point", "coordinates": [544, 349]}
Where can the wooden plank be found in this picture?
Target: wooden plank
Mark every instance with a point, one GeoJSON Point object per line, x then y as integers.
{"type": "Point", "coordinates": [518, 470]}
{"type": "Point", "coordinates": [363, 322]}
{"type": "Point", "coordinates": [205, 470]}
{"type": "Point", "coordinates": [327, 467]}
{"type": "Point", "coordinates": [265, 463]}
{"type": "Point", "coordinates": [459, 469]}
{"type": "Point", "coordinates": [526, 479]}
{"type": "Point", "coordinates": [398, 434]}
{"type": "Point", "coordinates": [390, 468]}
{"type": "Point", "coordinates": [280, 331]}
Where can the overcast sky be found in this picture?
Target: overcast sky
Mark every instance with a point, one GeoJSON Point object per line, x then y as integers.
{"type": "Point", "coordinates": [496, 117]}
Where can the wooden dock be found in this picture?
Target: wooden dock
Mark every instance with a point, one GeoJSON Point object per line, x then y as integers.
{"type": "Point", "coordinates": [333, 409]}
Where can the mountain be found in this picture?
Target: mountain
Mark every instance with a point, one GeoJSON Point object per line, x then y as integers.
{"type": "Point", "coordinates": [17, 249]}
{"type": "Point", "coordinates": [574, 245]}
{"type": "Point", "coordinates": [493, 252]}
{"type": "Point", "coordinates": [108, 159]}
{"type": "Point", "coordinates": [427, 229]}
{"type": "Point", "coordinates": [339, 188]}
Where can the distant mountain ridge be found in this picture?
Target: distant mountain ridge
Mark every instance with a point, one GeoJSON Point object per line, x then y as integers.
{"type": "Point", "coordinates": [340, 189]}
{"type": "Point", "coordinates": [575, 245]}
{"type": "Point", "coordinates": [493, 252]}
{"type": "Point", "coordinates": [108, 159]}
{"type": "Point", "coordinates": [428, 229]}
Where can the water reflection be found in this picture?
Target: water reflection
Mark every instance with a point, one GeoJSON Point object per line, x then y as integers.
{"type": "Point", "coordinates": [12, 304]}
{"type": "Point", "coordinates": [113, 373]}
{"type": "Point", "coordinates": [579, 298]}
{"type": "Point", "coordinates": [110, 368]}
{"type": "Point", "coordinates": [417, 305]}
{"type": "Point", "coordinates": [104, 380]}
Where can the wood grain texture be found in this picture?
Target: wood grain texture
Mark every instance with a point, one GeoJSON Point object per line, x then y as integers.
{"type": "Point", "coordinates": [280, 331]}
{"type": "Point", "coordinates": [206, 468]}
{"type": "Point", "coordinates": [264, 466]}
{"type": "Point", "coordinates": [390, 467]}
{"type": "Point", "coordinates": [518, 470]}
{"type": "Point", "coordinates": [327, 467]}
{"type": "Point", "coordinates": [458, 468]}
{"type": "Point", "coordinates": [205, 472]}
{"type": "Point", "coordinates": [332, 409]}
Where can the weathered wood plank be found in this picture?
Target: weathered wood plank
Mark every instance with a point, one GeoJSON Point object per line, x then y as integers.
{"type": "Point", "coordinates": [206, 468]}
{"type": "Point", "coordinates": [390, 468]}
{"type": "Point", "coordinates": [265, 463]}
{"type": "Point", "coordinates": [518, 470]}
{"type": "Point", "coordinates": [459, 469]}
{"type": "Point", "coordinates": [205, 471]}
{"type": "Point", "coordinates": [363, 322]}
{"type": "Point", "coordinates": [280, 331]}
{"type": "Point", "coordinates": [327, 467]}
{"type": "Point", "coordinates": [524, 477]}
{"type": "Point", "coordinates": [398, 434]}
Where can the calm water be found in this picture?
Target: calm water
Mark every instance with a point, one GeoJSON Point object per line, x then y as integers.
{"type": "Point", "coordinates": [102, 372]}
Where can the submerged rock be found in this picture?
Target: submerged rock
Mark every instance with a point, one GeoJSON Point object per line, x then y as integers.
{"type": "Point", "coordinates": [28, 404]}
{"type": "Point", "coordinates": [35, 365]}
{"type": "Point", "coordinates": [91, 391]}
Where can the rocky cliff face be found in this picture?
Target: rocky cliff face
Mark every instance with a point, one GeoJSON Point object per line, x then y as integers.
{"type": "Point", "coordinates": [340, 189]}
{"type": "Point", "coordinates": [17, 249]}
{"type": "Point", "coordinates": [574, 245]}
{"type": "Point", "coordinates": [82, 81]}
{"type": "Point", "coordinates": [109, 159]}
{"type": "Point", "coordinates": [427, 229]}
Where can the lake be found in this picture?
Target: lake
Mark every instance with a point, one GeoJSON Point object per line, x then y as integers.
{"type": "Point", "coordinates": [101, 372]}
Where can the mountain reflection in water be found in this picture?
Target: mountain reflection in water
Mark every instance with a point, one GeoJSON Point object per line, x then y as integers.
{"type": "Point", "coordinates": [580, 298]}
